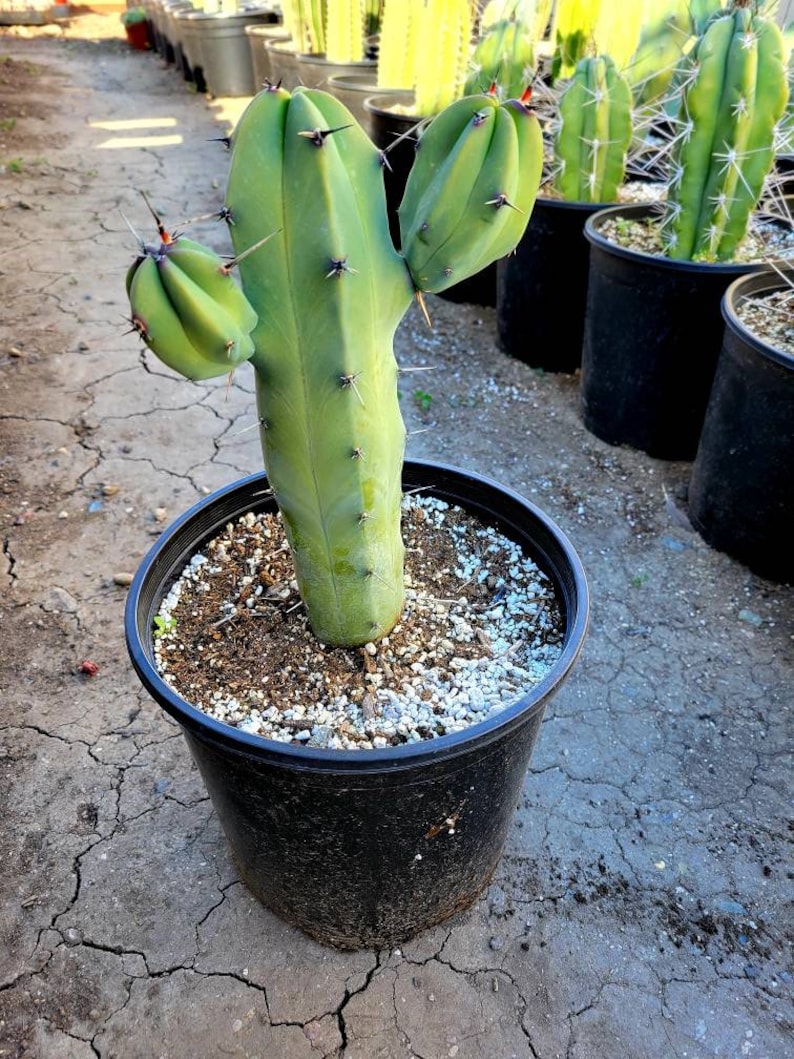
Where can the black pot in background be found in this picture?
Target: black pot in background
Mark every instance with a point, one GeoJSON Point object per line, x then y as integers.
{"type": "Point", "coordinates": [542, 288]}
{"type": "Point", "coordinates": [652, 335]}
{"type": "Point", "coordinates": [351, 846]}
{"type": "Point", "coordinates": [395, 133]}
{"type": "Point", "coordinates": [741, 495]}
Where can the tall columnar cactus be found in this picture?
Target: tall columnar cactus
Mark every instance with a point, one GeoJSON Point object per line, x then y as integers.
{"type": "Point", "coordinates": [304, 20]}
{"type": "Point", "coordinates": [731, 102]}
{"type": "Point", "coordinates": [322, 301]}
{"type": "Point", "coordinates": [594, 133]}
{"type": "Point", "coordinates": [601, 26]}
{"type": "Point", "coordinates": [424, 48]}
{"type": "Point", "coordinates": [344, 31]}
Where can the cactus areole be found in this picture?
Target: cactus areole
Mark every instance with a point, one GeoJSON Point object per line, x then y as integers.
{"type": "Point", "coordinates": [327, 293]}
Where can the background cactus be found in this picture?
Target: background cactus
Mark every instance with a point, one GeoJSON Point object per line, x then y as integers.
{"type": "Point", "coordinates": [734, 95]}
{"type": "Point", "coordinates": [344, 31]}
{"type": "Point", "coordinates": [329, 291]}
{"type": "Point", "coordinates": [594, 132]}
{"type": "Point", "coordinates": [424, 48]}
{"type": "Point", "coordinates": [505, 57]}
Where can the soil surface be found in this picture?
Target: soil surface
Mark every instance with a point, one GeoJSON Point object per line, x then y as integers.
{"type": "Point", "coordinates": [642, 907]}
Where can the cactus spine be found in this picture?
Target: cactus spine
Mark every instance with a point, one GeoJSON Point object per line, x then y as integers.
{"type": "Point", "coordinates": [329, 291]}
{"type": "Point", "coordinates": [730, 105]}
{"type": "Point", "coordinates": [594, 133]}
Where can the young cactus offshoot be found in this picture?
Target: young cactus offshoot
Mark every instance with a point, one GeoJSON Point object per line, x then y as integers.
{"type": "Point", "coordinates": [329, 291]}
{"type": "Point", "coordinates": [188, 309]}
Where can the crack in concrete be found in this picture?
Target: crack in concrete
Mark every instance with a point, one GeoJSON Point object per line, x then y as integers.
{"type": "Point", "coordinates": [349, 994]}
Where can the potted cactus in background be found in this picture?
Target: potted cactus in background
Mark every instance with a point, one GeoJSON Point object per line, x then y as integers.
{"type": "Point", "coordinates": [592, 128]}
{"type": "Point", "coordinates": [342, 842]}
{"type": "Point", "coordinates": [649, 354]}
{"type": "Point", "coordinates": [136, 27]}
{"type": "Point", "coordinates": [740, 496]}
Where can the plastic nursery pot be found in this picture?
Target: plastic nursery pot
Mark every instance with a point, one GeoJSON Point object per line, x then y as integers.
{"type": "Point", "coordinates": [258, 36]}
{"type": "Point", "coordinates": [541, 290]}
{"type": "Point", "coordinates": [188, 49]}
{"type": "Point", "coordinates": [351, 846]}
{"type": "Point", "coordinates": [138, 35]}
{"type": "Point", "coordinates": [393, 130]}
{"type": "Point", "coordinates": [315, 71]}
{"type": "Point", "coordinates": [652, 336]}
{"type": "Point", "coordinates": [283, 61]}
{"type": "Point", "coordinates": [741, 499]}
{"type": "Point", "coordinates": [226, 54]}
{"type": "Point", "coordinates": [353, 89]}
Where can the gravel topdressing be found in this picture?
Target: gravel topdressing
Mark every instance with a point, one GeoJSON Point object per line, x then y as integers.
{"type": "Point", "coordinates": [480, 627]}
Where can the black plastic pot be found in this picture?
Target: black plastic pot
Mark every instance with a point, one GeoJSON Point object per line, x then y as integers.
{"type": "Point", "coordinates": [541, 291]}
{"type": "Point", "coordinates": [652, 336]}
{"type": "Point", "coordinates": [741, 495]}
{"type": "Point", "coordinates": [395, 133]}
{"type": "Point", "coordinates": [351, 846]}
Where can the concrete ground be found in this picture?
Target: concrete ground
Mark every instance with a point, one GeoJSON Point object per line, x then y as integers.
{"type": "Point", "coordinates": [641, 908]}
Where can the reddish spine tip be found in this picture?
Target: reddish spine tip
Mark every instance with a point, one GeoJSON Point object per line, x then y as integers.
{"type": "Point", "coordinates": [526, 96]}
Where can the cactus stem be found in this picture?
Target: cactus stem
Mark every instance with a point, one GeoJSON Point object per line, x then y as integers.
{"type": "Point", "coordinates": [348, 382]}
{"type": "Point", "coordinates": [319, 136]}
{"type": "Point", "coordinates": [340, 265]}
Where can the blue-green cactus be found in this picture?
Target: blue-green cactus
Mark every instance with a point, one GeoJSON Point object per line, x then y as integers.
{"type": "Point", "coordinates": [328, 292]}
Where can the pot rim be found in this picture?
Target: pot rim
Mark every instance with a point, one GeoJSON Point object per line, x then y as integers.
{"type": "Point", "coordinates": [375, 104]}
{"type": "Point", "coordinates": [160, 572]}
{"type": "Point", "coordinates": [767, 281]}
{"type": "Point", "coordinates": [639, 211]}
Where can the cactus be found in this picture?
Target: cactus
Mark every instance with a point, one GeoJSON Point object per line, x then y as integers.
{"type": "Point", "coordinates": [504, 57]}
{"type": "Point", "coordinates": [344, 31]}
{"type": "Point", "coordinates": [424, 48]}
{"type": "Point", "coordinates": [601, 26]}
{"type": "Point", "coordinates": [730, 104]}
{"type": "Point", "coordinates": [665, 34]}
{"type": "Point", "coordinates": [327, 294]}
{"type": "Point", "coordinates": [188, 310]}
{"type": "Point", "coordinates": [304, 20]}
{"type": "Point", "coordinates": [594, 133]}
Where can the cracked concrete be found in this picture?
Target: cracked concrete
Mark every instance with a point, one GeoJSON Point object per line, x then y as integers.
{"type": "Point", "coordinates": [642, 908]}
